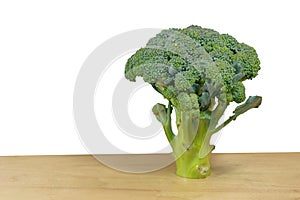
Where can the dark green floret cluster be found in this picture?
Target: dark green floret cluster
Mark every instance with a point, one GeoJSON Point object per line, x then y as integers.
{"type": "Point", "coordinates": [199, 71]}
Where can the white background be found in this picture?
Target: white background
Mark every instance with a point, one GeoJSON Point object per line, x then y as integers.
{"type": "Point", "coordinates": [43, 45]}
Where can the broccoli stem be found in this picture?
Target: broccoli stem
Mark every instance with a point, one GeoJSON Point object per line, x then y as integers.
{"type": "Point", "coordinates": [252, 102]}
{"type": "Point", "coordinates": [189, 165]}
{"type": "Point", "coordinates": [217, 113]}
{"type": "Point", "coordinates": [222, 125]}
{"type": "Point", "coordinates": [191, 146]}
{"type": "Point", "coordinates": [167, 126]}
{"type": "Point", "coordinates": [192, 156]}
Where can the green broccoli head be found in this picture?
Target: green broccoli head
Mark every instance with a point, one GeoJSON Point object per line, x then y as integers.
{"type": "Point", "coordinates": [195, 60]}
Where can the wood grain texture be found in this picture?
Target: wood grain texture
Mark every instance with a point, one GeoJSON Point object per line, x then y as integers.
{"type": "Point", "coordinates": [234, 176]}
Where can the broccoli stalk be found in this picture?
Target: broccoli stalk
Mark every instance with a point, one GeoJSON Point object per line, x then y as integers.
{"type": "Point", "coordinates": [199, 72]}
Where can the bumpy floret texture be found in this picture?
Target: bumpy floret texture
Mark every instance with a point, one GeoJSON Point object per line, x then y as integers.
{"type": "Point", "coordinates": [196, 61]}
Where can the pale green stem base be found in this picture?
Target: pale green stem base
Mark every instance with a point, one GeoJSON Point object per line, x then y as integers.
{"type": "Point", "coordinates": [189, 165]}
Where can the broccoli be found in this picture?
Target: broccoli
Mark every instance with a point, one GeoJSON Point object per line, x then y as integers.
{"type": "Point", "coordinates": [200, 72]}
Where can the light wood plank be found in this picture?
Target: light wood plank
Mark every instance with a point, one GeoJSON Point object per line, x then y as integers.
{"type": "Point", "coordinates": [234, 176]}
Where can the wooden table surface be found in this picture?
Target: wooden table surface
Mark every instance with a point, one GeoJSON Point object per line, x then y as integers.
{"type": "Point", "coordinates": [234, 176]}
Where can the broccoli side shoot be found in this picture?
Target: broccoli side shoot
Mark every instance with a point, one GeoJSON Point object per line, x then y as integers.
{"type": "Point", "coordinates": [200, 72]}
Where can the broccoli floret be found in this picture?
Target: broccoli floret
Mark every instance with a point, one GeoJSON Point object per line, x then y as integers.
{"type": "Point", "coordinates": [246, 61]}
{"type": "Point", "coordinates": [231, 57]}
{"type": "Point", "coordinates": [238, 92]}
{"type": "Point", "coordinates": [200, 72]}
{"type": "Point", "coordinates": [188, 102]}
